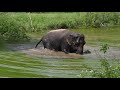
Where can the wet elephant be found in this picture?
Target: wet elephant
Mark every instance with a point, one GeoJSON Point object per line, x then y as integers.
{"type": "Point", "coordinates": [63, 40]}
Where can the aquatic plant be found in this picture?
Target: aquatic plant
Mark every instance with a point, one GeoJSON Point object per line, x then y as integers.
{"type": "Point", "coordinates": [106, 70]}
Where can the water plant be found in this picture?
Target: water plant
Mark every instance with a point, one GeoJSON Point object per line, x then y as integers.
{"type": "Point", "coordinates": [106, 70]}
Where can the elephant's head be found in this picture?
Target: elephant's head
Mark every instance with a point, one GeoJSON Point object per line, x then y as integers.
{"type": "Point", "coordinates": [77, 42]}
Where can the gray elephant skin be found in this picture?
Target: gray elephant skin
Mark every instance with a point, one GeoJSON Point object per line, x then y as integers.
{"type": "Point", "coordinates": [63, 40]}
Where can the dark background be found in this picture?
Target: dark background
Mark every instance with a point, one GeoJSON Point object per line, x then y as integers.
{"type": "Point", "coordinates": [59, 5]}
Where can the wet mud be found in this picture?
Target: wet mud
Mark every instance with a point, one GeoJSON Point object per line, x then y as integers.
{"type": "Point", "coordinates": [30, 50]}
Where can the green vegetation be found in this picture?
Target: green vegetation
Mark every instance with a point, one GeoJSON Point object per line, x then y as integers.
{"type": "Point", "coordinates": [13, 26]}
{"type": "Point", "coordinates": [22, 27]}
{"type": "Point", "coordinates": [106, 70]}
{"type": "Point", "coordinates": [11, 29]}
{"type": "Point", "coordinates": [104, 48]}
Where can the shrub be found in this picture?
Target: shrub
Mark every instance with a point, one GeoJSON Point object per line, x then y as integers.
{"type": "Point", "coordinates": [104, 48]}
{"type": "Point", "coordinates": [106, 70]}
{"type": "Point", "coordinates": [11, 31]}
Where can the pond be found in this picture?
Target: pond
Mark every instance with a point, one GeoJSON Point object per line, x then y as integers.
{"type": "Point", "coordinates": [24, 61]}
{"type": "Point", "coordinates": [44, 63]}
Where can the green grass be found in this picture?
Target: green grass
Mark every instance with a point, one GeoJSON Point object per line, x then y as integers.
{"type": "Point", "coordinates": [14, 25]}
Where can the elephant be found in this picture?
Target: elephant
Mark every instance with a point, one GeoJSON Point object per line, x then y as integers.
{"type": "Point", "coordinates": [63, 40]}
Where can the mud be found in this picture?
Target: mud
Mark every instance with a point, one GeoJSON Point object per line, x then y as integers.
{"type": "Point", "coordinates": [30, 49]}
{"type": "Point", "coordinates": [45, 53]}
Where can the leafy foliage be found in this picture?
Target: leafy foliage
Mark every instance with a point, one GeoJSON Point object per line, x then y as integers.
{"type": "Point", "coordinates": [106, 70]}
{"type": "Point", "coordinates": [10, 30]}
{"type": "Point", "coordinates": [15, 25]}
{"type": "Point", "coordinates": [104, 48]}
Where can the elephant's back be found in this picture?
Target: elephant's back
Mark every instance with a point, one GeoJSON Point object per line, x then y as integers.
{"type": "Point", "coordinates": [56, 34]}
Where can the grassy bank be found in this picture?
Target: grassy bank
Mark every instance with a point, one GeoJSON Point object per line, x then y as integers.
{"type": "Point", "coordinates": [13, 26]}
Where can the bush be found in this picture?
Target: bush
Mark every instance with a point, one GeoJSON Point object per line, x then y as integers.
{"type": "Point", "coordinates": [104, 48]}
{"type": "Point", "coordinates": [11, 31]}
{"type": "Point", "coordinates": [13, 26]}
{"type": "Point", "coordinates": [106, 70]}
{"type": "Point", "coordinates": [100, 19]}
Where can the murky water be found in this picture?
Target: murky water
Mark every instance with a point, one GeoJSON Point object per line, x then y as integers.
{"type": "Point", "coordinates": [45, 53]}
{"type": "Point", "coordinates": [44, 63]}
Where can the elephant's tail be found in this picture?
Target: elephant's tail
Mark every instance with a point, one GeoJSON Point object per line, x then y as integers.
{"type": "Point", "coordinates": [38, 43]}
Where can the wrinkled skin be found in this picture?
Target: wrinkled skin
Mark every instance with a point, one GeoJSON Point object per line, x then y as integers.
{"type": "Point", "coordinates": [63, 40]}
{"type": "Point", "coordinates": [79, 44]}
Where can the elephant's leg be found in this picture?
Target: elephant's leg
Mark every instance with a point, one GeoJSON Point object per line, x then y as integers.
{"type": "Point", "coordinates": [65, 49]}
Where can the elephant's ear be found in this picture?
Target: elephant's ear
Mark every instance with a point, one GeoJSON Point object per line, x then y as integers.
{"type": "Point", "coordinates": [68, 41]}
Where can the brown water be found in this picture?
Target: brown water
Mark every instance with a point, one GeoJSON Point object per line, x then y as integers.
{"type": "Point", "coordinates": [50, 64]}
{"type": "Point", "coordinates": [45, 53]}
